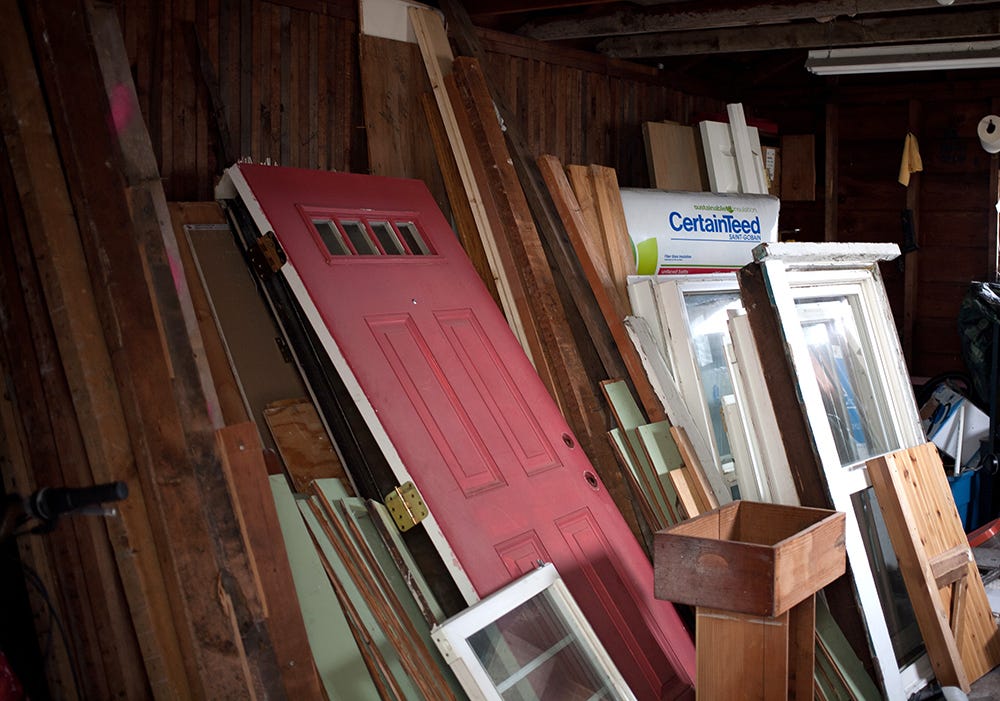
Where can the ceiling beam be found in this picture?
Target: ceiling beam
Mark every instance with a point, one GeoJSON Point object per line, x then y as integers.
{"type": "Point", "coordinates": [493, 8]}
{"type": "Point", "coordinates": [666, 19]}
{"type": "Point", "coordinates": [872, 30]}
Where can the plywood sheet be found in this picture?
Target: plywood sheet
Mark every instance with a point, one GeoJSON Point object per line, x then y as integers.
{"type": "Point", "coordinates": [673, 157]}
{"type": "Point", "coordinates": [302, 442]}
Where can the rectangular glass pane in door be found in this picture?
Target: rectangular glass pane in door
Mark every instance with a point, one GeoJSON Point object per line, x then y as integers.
{"type": "Point", "coordinates": [708, 320]}
{"type": "Point", "coordinates": [533, 654]}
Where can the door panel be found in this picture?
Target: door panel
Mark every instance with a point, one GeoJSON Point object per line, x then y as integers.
{"type": "Point", "coordinates": [463, 407]}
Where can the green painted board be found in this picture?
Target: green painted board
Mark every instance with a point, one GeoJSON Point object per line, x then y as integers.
{"type": "Point", "coordinates": [660, 450]}
{"type": "Point", "coordinates": [338, 660]}
{"type": "Point", "coordinates": [368, 620]}
{"type": "Point", "coordinates": [644, 475]}
{"type": "Point", "coordinates": [859, 684]}
{"type": "Point", "coordinates": [372, 541]}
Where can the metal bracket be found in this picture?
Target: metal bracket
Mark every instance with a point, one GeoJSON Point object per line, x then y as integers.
{"type": "Point", "coordinates": [406, 506]}
{"type": "Point", "coordinates": [266, 255]}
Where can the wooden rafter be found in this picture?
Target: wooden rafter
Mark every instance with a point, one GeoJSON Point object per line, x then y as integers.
{"type": "Point", "coordinates": [666, 19]}
{"type": "Point", "coordinates": [807, 35]}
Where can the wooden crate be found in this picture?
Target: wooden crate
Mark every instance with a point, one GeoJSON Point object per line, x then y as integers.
{"type": "Point", "coordinates": [750, 557]}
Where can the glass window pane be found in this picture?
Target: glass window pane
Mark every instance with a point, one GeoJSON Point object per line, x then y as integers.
{"type": "Point", "coordinates": [846, 370]}
{"type": "Point", "coordinates": [358, 235]}
{"type": "Point", "coordinates": [708, 320]}
{"type": "Point", "coordinates": [387, 238]}
{"type": "Point", "coordinates": [332, 238]}
{"type": "Point", "coordinates": [532, 654]}
{"type": "Point", "coordinates": [907, 642]}
{"type": "Point", "coordinates": [413, 239]}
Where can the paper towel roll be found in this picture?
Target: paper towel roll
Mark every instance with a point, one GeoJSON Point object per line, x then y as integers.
{"type": "Point", "coordinates": [989, 133]}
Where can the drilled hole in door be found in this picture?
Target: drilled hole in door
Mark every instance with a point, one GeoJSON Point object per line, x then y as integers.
{"type": "Point", "coordinates": [568, 440]}
{"type": "Point", "coordinates": [591, 480]}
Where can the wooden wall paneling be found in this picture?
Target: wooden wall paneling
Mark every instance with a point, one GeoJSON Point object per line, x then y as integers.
{"type": "Point", "coordinates": [831, 176]}
{"type": "Point", "coordinates": [798, 167]}
{"type": "Point", "coordinates": [67, 287]}
{"type": "Point", "coordinates": [392, 82]}
{"type": "Point", "coordinates": [911, 259]}
{"type": "Point", "coordinates": [34, 553]}
{"type": "Point", "coordinates": [246, 475]}
{"type": "Point", "coordinates": [281, 90]}
{"type": "Point", "coordinates": [40, 407]}
{"type": "Point", "coordinates": [177, 443]}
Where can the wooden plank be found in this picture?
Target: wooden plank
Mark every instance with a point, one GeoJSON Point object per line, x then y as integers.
{"type": "Point", "coordinates": [654, 506]}
{"type": "Point", "coordinates": [509, 257]}
{"type": "Point", "coordinates": [924, 525]}
{"type": "Point", "coordinates": [756, 654]}
{"type": "Point", "coordinates": [67, 287]}
{"type": "Point", "coordinates": [246, 475]}
{"type": "Point", "coordinates": [104, 626]}
{"type": "Point", "coordinates": [682, 483]}
{"type": "Point", "coordinates": [438, 58]}
{"type": "Point", "coordinates": [659, 447]}
{"type": "Point", "coordinates": [465, 223]}
{"type": "Point", "coordinates": [177, 456]}
{"type": "Point", "coordinates": [747, 164]}
{"type": "Point", "coordinates": [261, 366]}
{"type": "Point", "coordinates": [703, 490]}
{"type": "Point", "coordinates": [337, 656]}
{"type": "Point", "coordinates": [672, 157]}
{"type": "Point", "coordinates": [568, 380]}
{"type": "Point", "coordinates": [617, 242]}
{"type": "Point", "coordinates": [573, 288]}
{"type": "Point", "coordinates": [720, 158]}
{"type": "Point", "coordinates": [599, 280]}
{"type": "Point", "coordinates": [831, 180]}
{"type": "Point", "coordinates": [303, 443]}
{"type": "Point", "coordinates": [629, 418]}
{"type": "Point", "coordinates": [405, 563]}
{"type": "Point", "coordinates": [376, 625]}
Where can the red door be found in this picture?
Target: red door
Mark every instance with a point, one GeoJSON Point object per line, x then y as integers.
{"type": "Point", "coordinates": [473, 424]}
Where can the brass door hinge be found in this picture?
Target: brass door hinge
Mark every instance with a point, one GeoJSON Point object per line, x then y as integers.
{"type": "Point", "coordinates": [406, 506]}
{"type": "Point", "coordinates": [266, 255]}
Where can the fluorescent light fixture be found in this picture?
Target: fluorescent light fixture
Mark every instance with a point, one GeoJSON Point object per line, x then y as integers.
{"type": "Point", "coordinates": [910, 57]}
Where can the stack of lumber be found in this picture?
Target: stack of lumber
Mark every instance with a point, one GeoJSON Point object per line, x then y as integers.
{"type": "Point", "coordinates": [511, 231]}
{"type": "Point", "coordinates": [368, 609]}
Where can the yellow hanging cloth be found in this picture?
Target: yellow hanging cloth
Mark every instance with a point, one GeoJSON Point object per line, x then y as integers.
{"type": "Point", "coordinates": [911, 162]}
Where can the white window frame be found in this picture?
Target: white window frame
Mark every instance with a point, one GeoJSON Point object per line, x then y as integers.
{"type": "Point", "coordinates": [670, 295]}
{"type": "Point", "coordinates": [452, 636]}
{"type": "Point", "coordinates": [794, 272]}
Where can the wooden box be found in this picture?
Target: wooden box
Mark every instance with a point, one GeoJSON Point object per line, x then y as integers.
{"type": "Point", "coordinates": [749, 557]}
